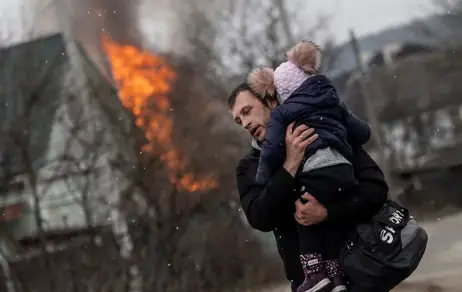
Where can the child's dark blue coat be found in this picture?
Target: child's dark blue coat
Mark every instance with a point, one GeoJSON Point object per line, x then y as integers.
{"type": "Point", "coordinates": [316, 104]}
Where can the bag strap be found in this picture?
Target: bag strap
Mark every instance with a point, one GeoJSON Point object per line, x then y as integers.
{"type": "Point", "coordinates": [384, 220]}
{"type": "Point", "coordinates": [394, 204]}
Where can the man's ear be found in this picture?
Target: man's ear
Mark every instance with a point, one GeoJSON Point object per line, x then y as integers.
{"type": "Point", "coordinates": [273, 103]}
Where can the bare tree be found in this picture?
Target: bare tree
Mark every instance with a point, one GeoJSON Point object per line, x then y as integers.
{"type": "Point", "coordinates": [52, 144]}
{"type": "Point", "coordinates": [239, 35]}
{"type": "Point", "coordinates": [177, 194]}
{"type": "Point", "coordinates": [180, 233]}
{"type": "Point", "coordinates": [74, 171]}
{"type": "Point", "coordinates": [24, 110]}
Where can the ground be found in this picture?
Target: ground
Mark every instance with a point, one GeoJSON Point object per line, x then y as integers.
{"type": "Point", "coordinates": [441, 267]}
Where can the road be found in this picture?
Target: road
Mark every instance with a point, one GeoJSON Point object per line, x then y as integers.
{"type": "Point", "coordinates": [441, 267]}
{"type": "Point", "coordinates": [442, 263]}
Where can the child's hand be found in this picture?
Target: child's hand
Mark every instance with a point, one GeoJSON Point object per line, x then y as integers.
{"type": "Point", "coordinates": [296, 142]}
{"type": "Point", "coordinates": [310, 213]}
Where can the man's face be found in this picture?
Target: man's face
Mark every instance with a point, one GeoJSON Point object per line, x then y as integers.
{"type": "Point", "coordinates": [251, 114]}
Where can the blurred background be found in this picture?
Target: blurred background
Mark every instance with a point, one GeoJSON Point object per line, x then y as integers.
{"type": "Point", "coordinates": [118, 155]}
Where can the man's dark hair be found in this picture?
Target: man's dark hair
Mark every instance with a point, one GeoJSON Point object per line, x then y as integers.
{"type": "Point", "coordinates": [244, 86]}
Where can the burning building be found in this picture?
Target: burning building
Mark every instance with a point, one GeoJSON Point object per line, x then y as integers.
{"type": "Point", "coordinates": [133, 88]}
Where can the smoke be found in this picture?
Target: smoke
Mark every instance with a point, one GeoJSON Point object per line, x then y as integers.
{"type": "Point", "coordinates": [117, 18]}
{"type": "Point", "coordinates": [161, 25]}
{"type": "Point", "coordinates": [93, 19]}
{"type": "Point", "coordinates": [172, 25]}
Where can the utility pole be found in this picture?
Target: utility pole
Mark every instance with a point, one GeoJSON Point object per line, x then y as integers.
{"type": "Point", "coordinates": [370, 110]}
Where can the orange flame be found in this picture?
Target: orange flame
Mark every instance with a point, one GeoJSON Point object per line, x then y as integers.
{"type": "Point", "coordinates": [144, 83]}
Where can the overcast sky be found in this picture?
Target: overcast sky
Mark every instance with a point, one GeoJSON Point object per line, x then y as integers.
{"type": "Point", "coordinates": [369, 16]}
{"type": "Point", "coordinates": [364, 16]}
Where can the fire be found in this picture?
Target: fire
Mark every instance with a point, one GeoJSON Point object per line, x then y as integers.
{"type": "Point", "coordinates": [144, 83]}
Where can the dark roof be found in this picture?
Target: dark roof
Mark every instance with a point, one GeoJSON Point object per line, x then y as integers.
{"type": "Point", "coordinates": [30, 77]}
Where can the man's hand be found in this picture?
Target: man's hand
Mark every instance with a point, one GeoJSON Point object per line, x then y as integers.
{"type": "Point", "coordinates": [296, 142]}
{"type": "Point", "coordinates": [310, 213]}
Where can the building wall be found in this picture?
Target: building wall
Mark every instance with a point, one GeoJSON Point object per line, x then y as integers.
{"type": "Point", "coordinates": [82, 137]}
{"type": "Point", "coordinates": [62, 186]}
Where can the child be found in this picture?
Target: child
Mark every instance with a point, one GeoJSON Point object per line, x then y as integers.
{"type": "Point", "coordinates": [311, 99]}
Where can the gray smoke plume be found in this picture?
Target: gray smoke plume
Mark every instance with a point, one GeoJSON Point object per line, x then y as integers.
{"type": "Point", "coordinates": [93, 19]}
{"type": "Point", "coordinates": [117, 18]}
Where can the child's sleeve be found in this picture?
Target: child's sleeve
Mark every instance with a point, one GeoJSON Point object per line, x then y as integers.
{"type": "Point", "coordinates": [274, 148]}
{"type": "Point", "coordinates": [359, 131]}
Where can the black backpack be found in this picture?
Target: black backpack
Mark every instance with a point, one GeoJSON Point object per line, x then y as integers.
{"type": "Point", "coordinates": [383, 252]}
